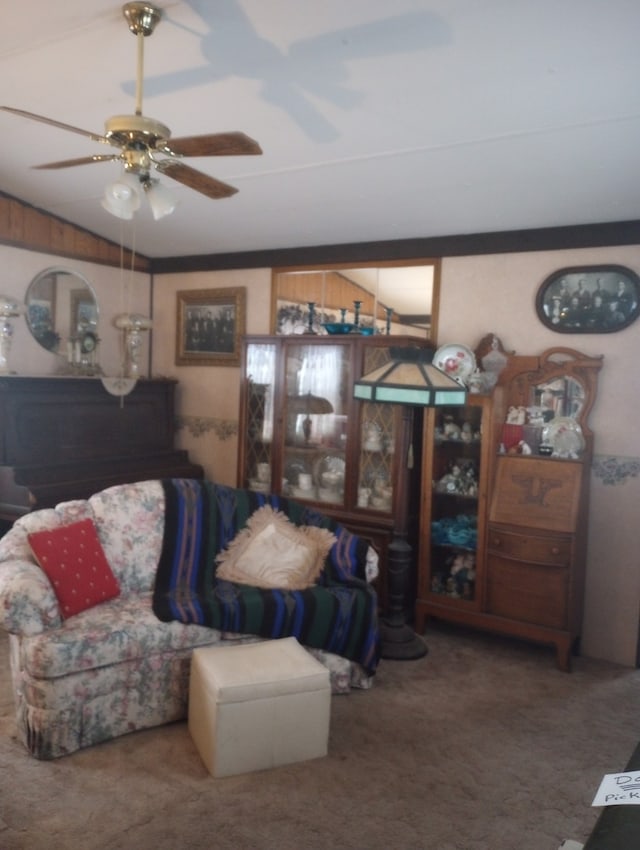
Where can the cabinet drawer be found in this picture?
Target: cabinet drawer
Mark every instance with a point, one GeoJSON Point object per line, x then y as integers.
{"type": "Point", "coordinates": [530, 547]}
{"type": "Point", "coordinates": [527, 592]}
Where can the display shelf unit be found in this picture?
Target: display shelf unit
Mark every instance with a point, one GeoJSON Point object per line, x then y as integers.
{"type": "Point", "coordinates": [304, 436]}
{"type": "Point", "coordinates": [456, 462]}
{"type": "Point", "coordinates": [532, 515]}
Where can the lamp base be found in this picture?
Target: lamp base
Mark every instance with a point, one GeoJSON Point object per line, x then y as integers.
{"type": "Point", "coordinates": [401, 643]}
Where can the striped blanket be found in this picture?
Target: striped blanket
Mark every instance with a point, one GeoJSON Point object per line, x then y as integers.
{"type": "Point", "coordinates": [338, 614]}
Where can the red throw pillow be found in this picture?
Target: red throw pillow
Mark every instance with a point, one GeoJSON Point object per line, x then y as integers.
{"type": "Point", "coordinates": [73, 559]}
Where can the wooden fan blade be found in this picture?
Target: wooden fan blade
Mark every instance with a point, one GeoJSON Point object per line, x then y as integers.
{"type": "Point", "coordinates": [209, 186]}
{"type": "Point", "coordinates": [214, 144]}
{"type": "Point", "coordinates": [33, 117]}
{"type": "Point", "coordinates": [83, 160]}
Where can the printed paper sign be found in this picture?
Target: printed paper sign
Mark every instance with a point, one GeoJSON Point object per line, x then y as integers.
{"type": "Point", "coordinates": [619, 789]}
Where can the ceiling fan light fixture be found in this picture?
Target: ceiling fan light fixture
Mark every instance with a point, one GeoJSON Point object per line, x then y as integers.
{"type": "Point", "coordinates": [121, 198]}
{"type": "Point", "coordinates": [161, 200]}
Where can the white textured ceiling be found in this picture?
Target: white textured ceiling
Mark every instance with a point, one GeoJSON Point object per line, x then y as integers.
{"type": "Point", "coordinates": [377, 120]}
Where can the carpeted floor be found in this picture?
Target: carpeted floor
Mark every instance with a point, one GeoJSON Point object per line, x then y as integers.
{"type": "Point", "coordinates": [482, 745]}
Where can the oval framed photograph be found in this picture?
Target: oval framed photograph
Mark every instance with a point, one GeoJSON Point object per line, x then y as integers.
{"type": "Point", "coordinates": [589, 299]}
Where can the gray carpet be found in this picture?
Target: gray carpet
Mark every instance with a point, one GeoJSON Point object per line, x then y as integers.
{"type": "Point", "coordinates": [482, 745]}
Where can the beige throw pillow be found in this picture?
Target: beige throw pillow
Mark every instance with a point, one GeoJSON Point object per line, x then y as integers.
{"type": "Point", "coordinates": [272, 552]}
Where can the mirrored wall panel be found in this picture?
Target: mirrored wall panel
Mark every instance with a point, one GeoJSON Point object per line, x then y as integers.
{"type": "Point", "coordinates": [383, 298]}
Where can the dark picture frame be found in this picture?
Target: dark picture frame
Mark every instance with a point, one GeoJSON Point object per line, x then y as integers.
{"type": "Point", "coordinates": [589, 299]}
{"type": "Point", "coordinates": [209, 326]}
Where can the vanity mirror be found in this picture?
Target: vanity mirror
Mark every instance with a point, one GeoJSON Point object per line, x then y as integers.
{"type": "Point", "coordinates": [62, 313]}
{"type": "Point", "coordinates": [563, 396]}
{"type": "Point", "coordinates": [549, 399]}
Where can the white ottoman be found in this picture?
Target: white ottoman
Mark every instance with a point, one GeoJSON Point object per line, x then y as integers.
{"type": "Point", "coordinates": [258, 705]}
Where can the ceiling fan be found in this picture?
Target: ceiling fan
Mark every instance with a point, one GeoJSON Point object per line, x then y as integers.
{"type": "Point", "coordinates": [145, 143]}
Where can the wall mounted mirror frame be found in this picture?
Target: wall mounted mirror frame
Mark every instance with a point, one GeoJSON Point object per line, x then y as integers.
{"type": "Point", "coordinates": [61, 310]}
{"type": "Point", "coordinates": [561, 380]}
{"type": "Point", "coordinates": [399, 296]}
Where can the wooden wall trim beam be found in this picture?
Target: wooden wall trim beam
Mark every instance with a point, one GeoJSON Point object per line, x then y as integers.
{"type": "Point", "coordinates": [512, 241]}
{"type": "Point", "coordinates": [27, 227]}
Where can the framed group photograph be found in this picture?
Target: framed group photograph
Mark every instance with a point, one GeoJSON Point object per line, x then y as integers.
{"type": "Point", "coordinates": [589, 300]}
{"type": "Point", "coordinates": [210, 324]}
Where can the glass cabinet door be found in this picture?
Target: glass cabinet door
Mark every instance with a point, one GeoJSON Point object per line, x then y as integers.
{"type": "Point", "coordinates": [377, 444]}
{"type": "Point", "coordinates": [315, 412]}
{"type": "Point", "coordinates": [375, 479]}
{"type": "Point", "coordinates": [455, 520]}
{"type": "Point", "coordinates": [258, 435]}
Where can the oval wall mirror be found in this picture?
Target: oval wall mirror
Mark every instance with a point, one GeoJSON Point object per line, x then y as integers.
{"type": "Point", "coordinates": [61, 308]}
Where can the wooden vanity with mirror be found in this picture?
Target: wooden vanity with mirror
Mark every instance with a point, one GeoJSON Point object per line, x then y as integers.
{"type": "Point", "coordinates": [532, 496]}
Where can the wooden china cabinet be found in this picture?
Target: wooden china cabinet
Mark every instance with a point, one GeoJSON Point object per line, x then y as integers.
{"type": "Point", "coordinates": [457, 454]}
{"type": "Point", "coordinates": [522, 535]}
{"type": "Point", "coordinates": [304, 436]}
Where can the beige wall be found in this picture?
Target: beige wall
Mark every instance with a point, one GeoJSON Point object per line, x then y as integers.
{"type": "Point", "coordinates": [478, 294]}
{"type": "Point", "coordinates": [208, 396]}
{"type": "Point", "coordinates": [115, 294]}
{"type": "Point", "coordinates": [497, 293]}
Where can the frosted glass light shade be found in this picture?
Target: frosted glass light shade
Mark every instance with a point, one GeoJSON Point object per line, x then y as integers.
{"type": "Point", "coordinates": [121, 198]}
{"type": "Point", "coordinates": [161, 200]}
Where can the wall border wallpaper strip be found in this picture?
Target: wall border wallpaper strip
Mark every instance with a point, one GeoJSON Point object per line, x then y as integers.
{"type": "Point", "coordinates": [615, 470]}
{"type": "Point", "coordinates": [200, 425]}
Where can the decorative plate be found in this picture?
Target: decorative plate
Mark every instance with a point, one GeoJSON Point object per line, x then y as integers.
{"type": "Point", "coordinates": [565, 436]}
{"type": "Point", "coordinates": [328, 471]}
{"type": "Point", "coordinates": [455, 360]}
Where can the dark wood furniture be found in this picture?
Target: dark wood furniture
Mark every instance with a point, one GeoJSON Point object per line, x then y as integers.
{"type": "Point", "coordinates": [531, 549]}
{"type": "Point", "coordinates": [301, 427]}
{"type": "Point", "coordinates": [67, 437]}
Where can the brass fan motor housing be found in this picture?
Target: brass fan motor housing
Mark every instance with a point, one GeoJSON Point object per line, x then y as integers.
{"type": "Point", "coordinates": [141, 17]}
{"type": "Point", "coordinates": [126, 130]}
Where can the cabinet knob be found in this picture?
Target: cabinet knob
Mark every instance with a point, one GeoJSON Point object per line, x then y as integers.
{"type": "Point", "coordinates": [497, 541]}
{"type": "Point", "coordinates": [555, 550]}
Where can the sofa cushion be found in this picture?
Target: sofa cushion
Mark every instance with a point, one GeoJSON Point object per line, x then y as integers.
{"type": "Point", "coordinates": [15, 544]}
{"type": "Point", "coordinates": [75, 563]}
{"type": "Point", "coordinates": [130, 523]}
{"type": "Point", "coordinates": [121, 630]}
{"type": "Point", "coordinates": [271, 552]}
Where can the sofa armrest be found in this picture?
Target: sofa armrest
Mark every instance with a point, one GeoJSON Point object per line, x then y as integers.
{"type": "Point", "coordinates": [28, 604]}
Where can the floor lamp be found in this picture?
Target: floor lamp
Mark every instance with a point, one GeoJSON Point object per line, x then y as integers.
{"type": "Point", "coordinates": [410, 379]}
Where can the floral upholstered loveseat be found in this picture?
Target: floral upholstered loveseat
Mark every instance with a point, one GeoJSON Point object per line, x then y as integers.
{"type": "Point", "coordinates": [123, 664]}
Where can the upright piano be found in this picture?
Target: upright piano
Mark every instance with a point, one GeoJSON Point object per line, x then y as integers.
{"type": "Point", "coordinates": [66, 438]}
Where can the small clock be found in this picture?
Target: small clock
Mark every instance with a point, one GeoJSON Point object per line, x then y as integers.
{"type": "Point", "coordinates": [88, 342]}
